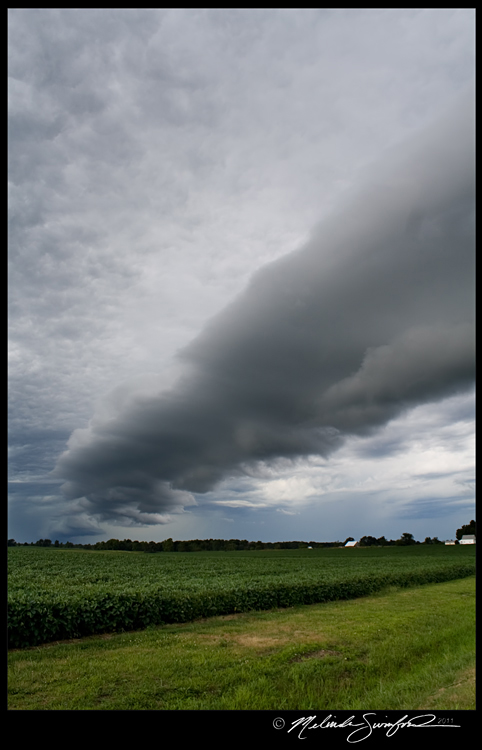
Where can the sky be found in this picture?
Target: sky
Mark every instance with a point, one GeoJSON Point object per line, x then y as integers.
{"type": "Point", "coordinates": [241, 273]}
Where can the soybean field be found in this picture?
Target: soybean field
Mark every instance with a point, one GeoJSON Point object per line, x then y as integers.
{"type": "Point", "coordinates": [56, 594]}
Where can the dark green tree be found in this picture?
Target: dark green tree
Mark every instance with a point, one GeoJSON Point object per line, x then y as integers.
{"type": "Point", "coordinates": [168, 545]}
{"type": "Point", "coordinates": [368, 541]}
{"type": "Point", "coordinates": [405, 540]}
{"type": "Point", "coordinates": [464, 530]}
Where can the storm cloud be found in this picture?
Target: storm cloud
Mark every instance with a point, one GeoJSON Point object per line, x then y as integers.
{"type": "Point", "coordinates": [373, 316]}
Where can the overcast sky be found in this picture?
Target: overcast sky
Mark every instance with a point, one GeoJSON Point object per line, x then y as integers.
{"type": "Point", "coordinates": [241, 280]}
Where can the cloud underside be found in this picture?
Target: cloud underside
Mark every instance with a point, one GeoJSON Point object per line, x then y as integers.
{"type": "Point", "coordinates": [373, 316]}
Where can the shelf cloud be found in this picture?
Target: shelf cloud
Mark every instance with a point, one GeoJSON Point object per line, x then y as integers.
{"type": "Point", "coordinates": [372, 316]}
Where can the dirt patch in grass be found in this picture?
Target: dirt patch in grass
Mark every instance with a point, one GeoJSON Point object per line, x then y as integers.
{"type": "Point", "coordinates": [269, 638]}
{"type": "Point", "coordinates": [277, 640]}
{"type": "Point", "coordinates": [259, 641]}
{"type": "Point", "coordinates": [244, 639]}
{"type": "Point", "coordinates": [321, 654]}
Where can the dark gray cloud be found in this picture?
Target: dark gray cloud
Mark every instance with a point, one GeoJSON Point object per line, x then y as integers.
{"type": "Point", "coordinates": [373, 316]}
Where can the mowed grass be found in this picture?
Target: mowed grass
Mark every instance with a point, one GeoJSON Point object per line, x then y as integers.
{"type": "Point", "coordinates": [400, 649]}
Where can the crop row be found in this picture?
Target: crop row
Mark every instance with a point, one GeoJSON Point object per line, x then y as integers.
{"type": "Point", "coordinates": [35, 618]}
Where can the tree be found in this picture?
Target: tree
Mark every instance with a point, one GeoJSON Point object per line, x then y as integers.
{"type": "Point", "coordinates": [43, 543]}
{"type": "Point", "coordinates": [368, 541]}
{"type": "Point", "coordinates": [467, 529]}
{"type": "Point", "coordinates": [168, 545]}
{"type": "Point", "coordinates": [405, 540]}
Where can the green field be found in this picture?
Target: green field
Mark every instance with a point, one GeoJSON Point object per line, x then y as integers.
{"type": "Point", "coordinates": [60, 594]}
{"type": "Point", "coordinates": [401, 649]}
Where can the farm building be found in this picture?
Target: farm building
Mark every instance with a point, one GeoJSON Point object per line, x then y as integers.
{"type": "Point", "coordinates": [449, 541]}
{"type": "Point", "coordinates": [351, 544]}
{"type": "Point", "coordinates": [468, 539]}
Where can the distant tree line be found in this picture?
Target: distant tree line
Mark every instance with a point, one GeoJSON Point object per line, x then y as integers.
{"type": "Point", "coordinates": [168, 545]}
{"type": "Point", "coordinates": [231, 545]}
{"type": "Point", "coordinates": [404, 541]}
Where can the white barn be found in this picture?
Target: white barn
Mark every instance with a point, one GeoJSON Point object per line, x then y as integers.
{"type": "Point", "coordinates": [468, 539]}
